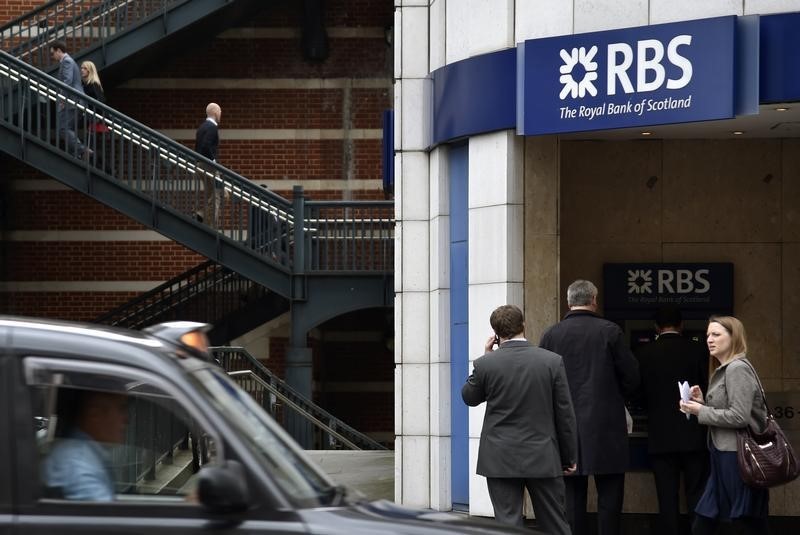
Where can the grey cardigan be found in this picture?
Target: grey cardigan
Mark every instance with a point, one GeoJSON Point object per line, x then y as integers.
{"type": "Point", "coordinates": [733, 401]}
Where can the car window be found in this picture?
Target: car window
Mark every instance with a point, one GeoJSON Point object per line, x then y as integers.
{"type": "Point", "coordinates": [300, 480]}
{"type": "Point", "coordinates": [104, 435]}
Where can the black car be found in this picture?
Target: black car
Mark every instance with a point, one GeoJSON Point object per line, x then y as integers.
{"type": "Point", "coordinates": [106, 430]}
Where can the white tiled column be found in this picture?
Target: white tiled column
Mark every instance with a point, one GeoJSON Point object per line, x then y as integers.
{"type": "Point", "coordinates": [415, 376]}
{"type": "Point", "coordinates": [495, 259]}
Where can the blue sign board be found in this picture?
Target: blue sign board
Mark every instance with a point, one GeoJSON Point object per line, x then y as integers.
{"type": "Point", "coordinates": [635, 291]}
{"type": "Point", "coordinates": [649, 75]}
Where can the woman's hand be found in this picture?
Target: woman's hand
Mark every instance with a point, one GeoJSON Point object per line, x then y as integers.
{"type": "Point", "coordinates": [696, 394]}
{"type": "Point", "coordinates": [690, 407]}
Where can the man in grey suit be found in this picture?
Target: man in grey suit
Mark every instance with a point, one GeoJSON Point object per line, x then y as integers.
{"type": "Point", "coordinates": [70, 74]}
{"type": "Point", "coordinates": [528, 438]}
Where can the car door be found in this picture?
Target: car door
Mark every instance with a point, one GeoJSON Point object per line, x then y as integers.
{"type": "Point", "coordinates": [150, 453]}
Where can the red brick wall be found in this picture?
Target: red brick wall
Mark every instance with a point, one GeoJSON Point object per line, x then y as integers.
{"type": "Point", "coordinates": [98, 261]}
{"type": "Point", "coordinates": [251, 108]}
{"type": "Point", "coordinates": [11, 9]}
{"type": "Point", "coordinates": [292, 160]}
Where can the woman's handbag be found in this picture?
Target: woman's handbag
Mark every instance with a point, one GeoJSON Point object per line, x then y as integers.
{"type": "Point", "coordinates": [765, 459]}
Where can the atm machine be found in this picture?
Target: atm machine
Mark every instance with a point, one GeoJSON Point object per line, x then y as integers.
{"type": "Point", "coordinates": [631, 295]}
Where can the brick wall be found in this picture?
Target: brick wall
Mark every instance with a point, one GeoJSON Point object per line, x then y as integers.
{"type": "Point", "coordinates": [277, 116]}
{"type": "Point", "coordinates": [11, 9]}
{"type": "Point", "coordinates": [252, 109]}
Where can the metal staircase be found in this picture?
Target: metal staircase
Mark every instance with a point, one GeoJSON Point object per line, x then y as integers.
{"type": "Point", "coordinates": [287, 405]}
{"type": "Point", "coordinates": [158, 182]}
{"type": "Point", "coordinates": [208, 293]}
{"type": "Point", "coordinates": [119, 36]}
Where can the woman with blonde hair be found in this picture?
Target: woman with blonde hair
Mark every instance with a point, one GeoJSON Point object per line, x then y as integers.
{"type": "Point", "coordinates": [733, 401]}
{"type": "Point", "coordinates": [97, 128]}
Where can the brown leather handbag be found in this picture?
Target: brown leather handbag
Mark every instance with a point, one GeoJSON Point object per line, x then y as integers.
{"type": "Point", "coordinates": [766, 459]}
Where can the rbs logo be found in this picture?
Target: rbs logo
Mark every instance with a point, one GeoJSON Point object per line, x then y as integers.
{"type": "Point", "coordinates": [650, 73]}
{"type": "Point", "coordinates": [668, 281]}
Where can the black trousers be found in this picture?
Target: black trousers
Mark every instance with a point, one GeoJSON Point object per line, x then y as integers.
{"type": "Point", "coordinates": [667, 469]}
{"type": "Point", "coordinates": [610, 493]}
{"type": "Point", "coordinates": [547, 497]}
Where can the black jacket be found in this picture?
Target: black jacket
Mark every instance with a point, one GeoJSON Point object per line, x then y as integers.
{"type": "Point", "coordinates": [207, 140]}
{"type": "Point", "coordinates": [529, 425]}
{"type": "Point", "coordinates": [95, 91]}
{"type": "Point", "coordinates": [602, 372]}
{"type": "Point", "coordinates": [671, 358]}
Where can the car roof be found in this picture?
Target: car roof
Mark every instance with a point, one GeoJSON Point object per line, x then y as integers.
{"type": "Point", "coordinates": [22, 336]}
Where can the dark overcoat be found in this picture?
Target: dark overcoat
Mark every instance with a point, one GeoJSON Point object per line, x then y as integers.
{"type": "Point", "coordinates": [602, 372]}
{"type": "Point", "coordinates": [529, 425]}
{"type": "Point", "coordinates": [663, 363]}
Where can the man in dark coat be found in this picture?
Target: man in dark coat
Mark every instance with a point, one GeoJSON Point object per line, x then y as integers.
{"type": "Point", "coordinates": [528, 439]}
{"type": "Point", "coordinates": [675, 444]}
{"type": "Point", "coordinates": [601, 371]}
{"type": "Point", "coordinates": [207, 144]}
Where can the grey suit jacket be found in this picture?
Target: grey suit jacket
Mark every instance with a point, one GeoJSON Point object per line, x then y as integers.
{"type": "Point", "coordinates": [733, 401]}
{"type": "Point", "coordinates": [70, 73]}
{"type": "Point", "coordinates": [529, 426]}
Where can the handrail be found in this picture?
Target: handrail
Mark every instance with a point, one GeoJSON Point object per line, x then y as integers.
{"type": "Point", "coordinates": [204, 293]}
{"type": "Point", "coordinates": [352, 236]}
{"type": "Point", "coordinates": [82, 24]}
{"type": "Point", "coordinates": [300, 410]}
{"type": "Point", "coordinates": [238, 359]}
{"type": "Point", "coordinates": [337, 236]}
{"type": "Point", "coordinates": [117, 315]}
{"type": "Point", "coordinates": [145, 161]}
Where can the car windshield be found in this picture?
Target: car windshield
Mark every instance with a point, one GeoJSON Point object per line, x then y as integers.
{"type": "Point", "coordinates": [304, 484]}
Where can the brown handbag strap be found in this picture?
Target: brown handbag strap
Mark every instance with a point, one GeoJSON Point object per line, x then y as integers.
{"type": "Point", "coordinates": [760, 386]}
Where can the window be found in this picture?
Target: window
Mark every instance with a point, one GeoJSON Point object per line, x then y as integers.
{"type": "Point", "coordinates": [108, 433]}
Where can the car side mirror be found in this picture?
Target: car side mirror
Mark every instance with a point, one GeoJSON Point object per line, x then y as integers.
{"type": "Point", "coordinates": [223, 488]}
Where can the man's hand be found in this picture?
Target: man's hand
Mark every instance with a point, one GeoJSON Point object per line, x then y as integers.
{"type": "Point", "coordinates": [569, 470]}
{"type": "Point", "coordinates": [489, 346]}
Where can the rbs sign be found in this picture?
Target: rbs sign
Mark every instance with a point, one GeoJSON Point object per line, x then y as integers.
{"type": "Point", "coordinates": [633, 290]}
{"type": "Point", "coordinates": [667, 73]}
{"type": "Point", "coordinates": [650, 53]}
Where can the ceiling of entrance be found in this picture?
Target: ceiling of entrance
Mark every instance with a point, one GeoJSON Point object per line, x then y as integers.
{"type": "Point", "coordinates": [772, 121]}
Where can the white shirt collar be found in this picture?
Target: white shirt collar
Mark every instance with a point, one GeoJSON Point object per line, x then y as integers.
{"type": "Point", "coordinates": [212, 120]}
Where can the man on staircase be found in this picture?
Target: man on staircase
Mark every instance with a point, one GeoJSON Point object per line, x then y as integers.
{"type": "Point", "coordinates": [70, 74]}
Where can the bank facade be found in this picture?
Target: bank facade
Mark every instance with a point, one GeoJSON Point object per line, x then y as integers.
{"type": "Point", "coordinates": [649, 146]}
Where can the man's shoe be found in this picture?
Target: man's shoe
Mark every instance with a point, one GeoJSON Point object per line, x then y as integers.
{"type": "Point", "coordinates": [198, 217]}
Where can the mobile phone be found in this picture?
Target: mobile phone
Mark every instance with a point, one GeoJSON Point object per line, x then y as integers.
{"type": "Point", "coordinates": [496, 340]}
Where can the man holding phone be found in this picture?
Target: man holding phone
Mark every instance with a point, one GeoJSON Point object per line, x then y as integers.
{"type": "Point", "coordinates": [529, 437]}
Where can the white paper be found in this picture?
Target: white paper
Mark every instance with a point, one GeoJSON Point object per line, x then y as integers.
{"type": "Point", "coordinates": [685, 391]}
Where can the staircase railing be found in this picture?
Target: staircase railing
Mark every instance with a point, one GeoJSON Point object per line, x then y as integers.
{"type": "Point", "coordinates": [344, 236]}
{"type": "Point", "coordinates": [44, 111]}
{"type": "Point", "coordinates": [204, 293]}
{"type": "Point", "coordinates": [339, 236]}
{"type": "Point", "coordinates": [273, 393]}
{"type": "Point", "coordinates": [81, 24]}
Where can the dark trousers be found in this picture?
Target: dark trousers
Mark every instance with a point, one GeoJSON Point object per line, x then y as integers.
{"type": "Point", "coordinates": [547, 497]}
{"type": "Point", "coordinates": [67, 117]}
{"type": "Point", "coordinates": [703, 525]}
{"type": "Point", "coordinates": [610, 493]}
{"type": "Point", "coordinates": [667, 470]}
